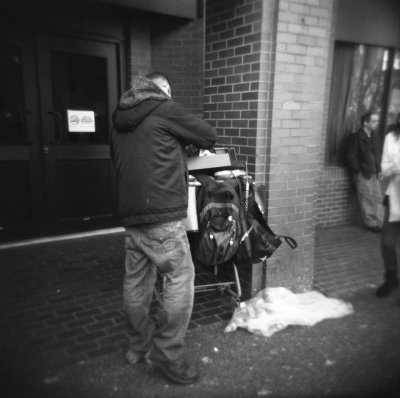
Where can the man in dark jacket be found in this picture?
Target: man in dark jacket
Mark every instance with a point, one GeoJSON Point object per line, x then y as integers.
{"type": "Point", "coordinates": [148, 150]}
{"type": "Point", "coordinates": [363, 160]}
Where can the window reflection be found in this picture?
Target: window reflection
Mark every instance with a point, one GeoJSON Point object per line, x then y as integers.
{"type": "Point", "coordinates": [364, 79]}
{"type": "Point", "coordinates": [393, 113]}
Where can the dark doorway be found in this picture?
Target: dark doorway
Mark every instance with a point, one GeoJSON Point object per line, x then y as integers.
{"type": "Point", "coordinates": [56, 105]}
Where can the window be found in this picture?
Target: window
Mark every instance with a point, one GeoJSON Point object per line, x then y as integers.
{"type": "Point", "coordinates": [364, 79]}
{"type": "Point", "coordinates": [393, 109]}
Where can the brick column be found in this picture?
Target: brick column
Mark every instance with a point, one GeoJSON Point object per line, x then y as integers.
{"type": "Point", "coordinates": [239, 48]}
{"type": "Point", "coordinates": [265, 83]}
{"type": "Point", "coordinates": [302, 53]}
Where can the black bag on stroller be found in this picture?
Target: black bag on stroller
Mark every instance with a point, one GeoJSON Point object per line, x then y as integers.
{"type": "Point", "coordinates": [218, 208]}
{"type": "Point", "coordinates": [258, 241]}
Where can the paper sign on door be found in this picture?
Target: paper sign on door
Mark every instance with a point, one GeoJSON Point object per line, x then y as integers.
{"type": "Point", "coordinates": [81, 121]}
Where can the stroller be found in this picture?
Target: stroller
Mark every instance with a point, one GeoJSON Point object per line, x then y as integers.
{"type": "Point", "coordinates": [222, 278]}
{"type": "Point", "coordinates": [256, 240]}
{"type": "Point", "coordinates": [233, 231]}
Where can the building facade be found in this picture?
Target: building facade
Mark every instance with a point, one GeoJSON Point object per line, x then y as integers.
{"type": "Point", "coordinates": [260, 71]}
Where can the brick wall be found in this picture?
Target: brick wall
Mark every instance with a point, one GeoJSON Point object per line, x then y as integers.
{"type": "Point", "coordinates": [173, 46]}
{"type": "Point", "coordinates": [239, 49]}
{"type": "Point", "coordinates": [336, 201]}
{"type": "Point", "coordinates": [302, 55]}
{"type": "Point", "coordinates": [178, 50]}
{"type": "Point", "coordinates": [265, 91]}
{"type": "Point", "coordinates": [232, 73]}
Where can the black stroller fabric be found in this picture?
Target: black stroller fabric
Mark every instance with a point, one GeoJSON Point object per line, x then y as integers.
{"type": "Point", "coordinates": [231, 224]}
{"type": "Point", "coordinates": [218, 208]}
{"type": "Point", "coordinates": [258, 241]}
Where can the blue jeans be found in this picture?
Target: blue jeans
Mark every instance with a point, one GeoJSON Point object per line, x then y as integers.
{"type": "Point", "coordinates": [161, 247]}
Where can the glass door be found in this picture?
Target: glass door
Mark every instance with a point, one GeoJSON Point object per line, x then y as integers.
{"type": "Point", "coordinates": [78, 92]}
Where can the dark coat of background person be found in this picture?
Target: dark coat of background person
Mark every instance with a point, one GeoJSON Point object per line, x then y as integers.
{"type": "Point", "coordinates": [358, 157]}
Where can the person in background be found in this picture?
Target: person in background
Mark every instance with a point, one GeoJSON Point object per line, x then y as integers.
{"type": "Point", "coordinates": [363, 161]}
{"type": "Point", "coordinates": [390, 167]}
{"type": "Point", "coordinates": [148, 140]}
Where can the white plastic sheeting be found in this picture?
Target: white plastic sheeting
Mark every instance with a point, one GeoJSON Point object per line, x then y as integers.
{"type": "Point", "coordinates": [275, 308]}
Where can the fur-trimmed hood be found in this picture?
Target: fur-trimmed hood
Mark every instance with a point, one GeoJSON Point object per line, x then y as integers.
{"type": "Point", "coordinates": [141, 90]}
{"type": "Point", "coordinates": [137, 103]}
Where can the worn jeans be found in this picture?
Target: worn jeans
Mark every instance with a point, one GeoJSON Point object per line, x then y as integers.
{"type": "Point", "coordinates": [389, 242]}
{"type": "Point", "coordinates": [162, 248]}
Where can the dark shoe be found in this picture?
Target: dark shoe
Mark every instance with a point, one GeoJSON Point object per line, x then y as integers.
{"type": "Point", "coordinates": [134, 357]}
{"type": "Point", "coordinates": [180, 372]}
{"type": "Point", "coordinates": [386, 288]}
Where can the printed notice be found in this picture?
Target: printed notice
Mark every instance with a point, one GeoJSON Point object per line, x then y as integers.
{"type": "Point", "coordinates": [81, 121]}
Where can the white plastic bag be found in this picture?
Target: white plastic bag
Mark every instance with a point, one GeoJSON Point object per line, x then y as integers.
{"type": "Point", "coordinates": [275, 308]}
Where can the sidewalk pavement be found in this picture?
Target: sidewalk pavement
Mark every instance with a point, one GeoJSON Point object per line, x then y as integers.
{"type": "Point", "coordinates": [63, 333]}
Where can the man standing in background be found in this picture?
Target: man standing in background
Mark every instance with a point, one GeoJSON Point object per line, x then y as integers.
{"type": "Point", "coordinates": [363, 160]}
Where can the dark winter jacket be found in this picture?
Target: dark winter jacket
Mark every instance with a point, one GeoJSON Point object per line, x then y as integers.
{"type": "Point", "coordinates": [148, 150]}
{"type": "Point", "coordinates": [363, 154]}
